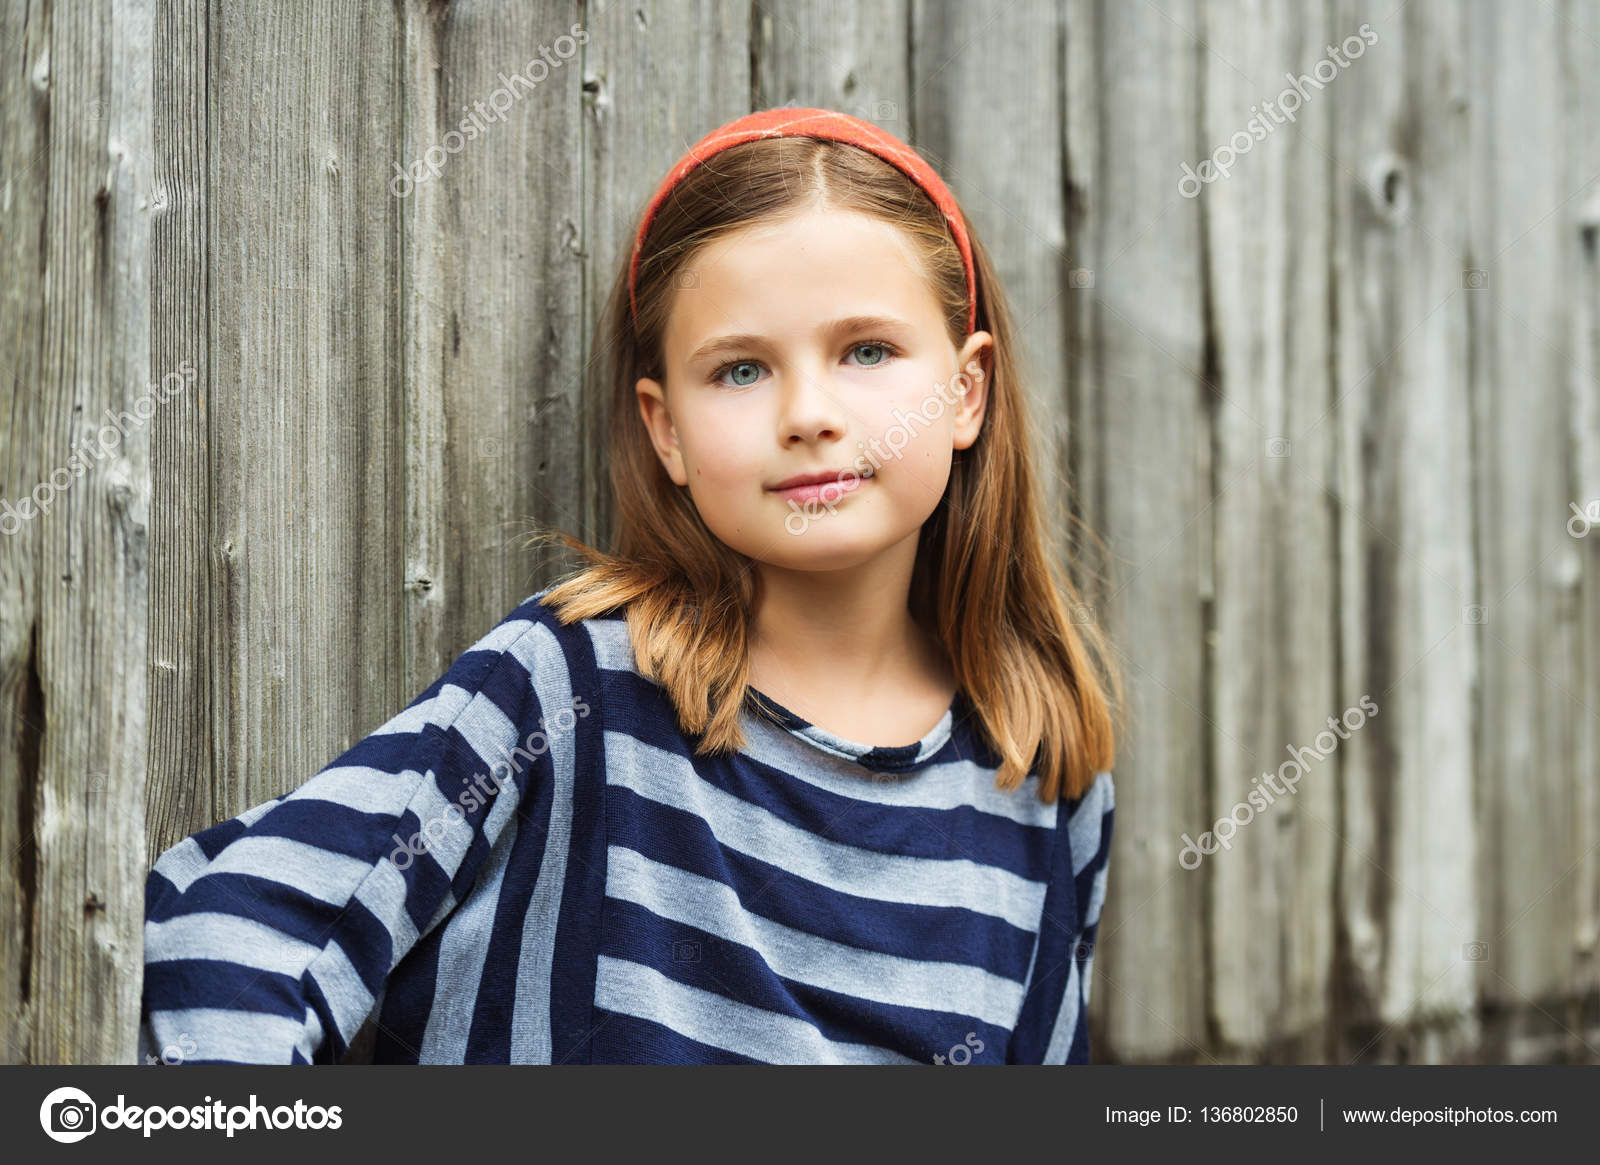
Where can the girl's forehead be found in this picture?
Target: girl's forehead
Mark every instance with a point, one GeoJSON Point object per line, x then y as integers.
{"type": "Point", "coordinates": [811, 224]}
{"type": "Point", "coordinates": [819, 260]}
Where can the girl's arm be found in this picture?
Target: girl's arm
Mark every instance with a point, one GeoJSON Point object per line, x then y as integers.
{"type": "Point", "coordinates": [269, 937]}
{"type": "Point", "coordinates": [1063, 1038]}
{"type": "Point", "coordinates": [1092, 822]}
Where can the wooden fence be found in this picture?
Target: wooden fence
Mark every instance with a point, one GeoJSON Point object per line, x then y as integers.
{"type": "Point", "coordinates": [1331, 413]}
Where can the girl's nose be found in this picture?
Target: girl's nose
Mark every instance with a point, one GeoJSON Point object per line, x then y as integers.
{"type": "Point", "coordinates": [813, 407]}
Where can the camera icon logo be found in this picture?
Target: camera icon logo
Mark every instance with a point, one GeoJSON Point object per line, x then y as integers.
{"type": "Point", "coordinates": [686, 951]}
{"type": "Point", "coordinates": [67, 1115]}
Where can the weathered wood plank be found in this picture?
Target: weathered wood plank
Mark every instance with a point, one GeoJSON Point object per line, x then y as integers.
{"type": "Point", "coordinates": [493, 290]}
{"type": "Point", "coordinates": [1408, 583]}
{"type": "Point", "coordinates": [1141, 445]}
{"type": "Point", "coordinates": [831, 54]}
{"type": "Point", "coordinates": [25, 186]}
{"type": "Point", "coordinates": [75, 577]}
{"type": "Point", "coordinates": [1524, 238]}
{"type": "Point", "coordinates": [180, 794]}
{"type": "Point", "coordinates": [1272, 647]}
{"type": "Point", "coordinates": [1582, 178]}
{"type": "Point", "coordinates": [305, 421]}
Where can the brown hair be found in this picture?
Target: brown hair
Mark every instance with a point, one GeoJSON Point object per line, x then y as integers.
{"type": "Point", "coordinates": [984, 582]}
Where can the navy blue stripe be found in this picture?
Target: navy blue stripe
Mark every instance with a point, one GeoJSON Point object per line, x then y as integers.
{"type": "Point", "coordinates": [407, 1003]}
{"type": "Point", "coordinates": [465, 671]}
{"type": "Point", "coordinates": [683, 840]}
{"type": "Point", "coordinates": [883, 757]}
{"type": "Point", "coordinates": [160, 895]}
{"type": "Point", "coordinates": [211, 841]}
{"type": "Point", "coordinates": [1058, 928]}
{"type": "Point", "coordinates": [333, 1046]}
{"type": "Point", "coordinates": [1079, 1052]}
{"type": "Point", "coordinates": [227, 986]}
{"type": "Point", "coordinates": [329, 826]}
{"type": "Point", "coordinates": [388, 752]}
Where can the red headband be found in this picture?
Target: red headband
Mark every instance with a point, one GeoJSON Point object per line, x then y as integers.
{"type": "Point", "coordinates": [815, 123]}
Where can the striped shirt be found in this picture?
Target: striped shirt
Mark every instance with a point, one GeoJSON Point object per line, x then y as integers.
{"type": "Point", "coordinates": [529, 864]}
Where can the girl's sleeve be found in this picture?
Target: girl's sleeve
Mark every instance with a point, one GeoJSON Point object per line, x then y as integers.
{"type": "Point", "coordinates": [1089, 835]}
{"type": "Point", "coordinates": [268, 938]}
{"type": "Point", "coordinates": [1091, 832]}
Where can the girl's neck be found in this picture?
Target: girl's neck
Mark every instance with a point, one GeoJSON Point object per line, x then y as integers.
{"type": "Point", "coordinates": [838, 636]}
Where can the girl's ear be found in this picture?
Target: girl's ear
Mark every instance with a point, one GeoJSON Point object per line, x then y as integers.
{"type": "Point", "coordinates": [974, 363]}
{"type": "Point", "coordinates": [658, 423]}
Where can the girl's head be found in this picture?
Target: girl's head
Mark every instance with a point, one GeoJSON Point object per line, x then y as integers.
{"type": "Point", "coordinates": [812, 344]}
{"type": "Point", "coordinates": [802, 307]}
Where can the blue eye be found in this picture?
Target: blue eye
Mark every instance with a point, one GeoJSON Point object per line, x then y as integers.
{"type": "Point", "coordinates": [744, 373]}
{"type": "Point", "coordinates": [882, 349]}
{"type": "Point", "coordinates": [747, 366]}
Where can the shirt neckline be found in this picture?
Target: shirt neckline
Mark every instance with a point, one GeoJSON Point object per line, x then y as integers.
{"type": "Point", "coordinates": [893, 758]}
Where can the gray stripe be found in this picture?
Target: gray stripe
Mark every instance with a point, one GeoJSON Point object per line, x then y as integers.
{"type": "Point", "coordinates": [363, 789]}
{"type": "Point", "coordinates": [541, 653]}
{"type": "Point", "coordinates": [671, 780]}
{"type": "Point", "coordinates": [229, 938]}
{"type": "Point", "coordinates": [504, 636]}
{"type": "Point", "coordinates": [769, 1036]}
{"type": "Point", "coordinates": [612, 651]}
{"type": "Point", "coordinates": [324, 875]}
{"type": "Point", "coordinates": [462, 950]}
{"type": "Point", "coordinates": [1066, 1025]}
{"type": "Point", "coordinates": [1083, 830]}
{"type": "Point", "coordinates": [247, 1037]}
{"type": "Point", "coordinates": [440, 708]}
{"type": "Point", "coordinates": [256, 812]}
{"type": "Point", "coordinates": [347, 996]}
{"type": "Point", "coordinates": [714, 907]}
{"type": "Point", "coordinates": [488, 732]}
{"type": "Point", "coordinates": [1097, 893]}
{"type": "Point", "coordinates": [183, 863]}
{"type": "Point", "coordinates": [853, 750]}
{"type": "Point", "coordinates": [384, 893]}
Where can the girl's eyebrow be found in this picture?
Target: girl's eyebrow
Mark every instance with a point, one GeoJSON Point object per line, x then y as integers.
{"type": "Point", "coordinates": [728, 345]}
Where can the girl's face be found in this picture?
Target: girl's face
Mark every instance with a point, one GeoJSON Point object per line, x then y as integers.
{"type": "Point", "coordinates": [814, 348]}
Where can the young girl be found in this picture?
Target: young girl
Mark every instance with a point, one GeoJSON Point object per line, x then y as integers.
{"type": "Point", "coordinates": [812, 769]}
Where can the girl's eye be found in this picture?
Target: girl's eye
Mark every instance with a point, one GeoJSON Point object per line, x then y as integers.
{"type": "Point", "coordinates": [744, 373]}
{"type": "Point", "coordinates": [882, 351]}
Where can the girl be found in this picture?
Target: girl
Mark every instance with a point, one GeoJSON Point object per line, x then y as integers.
{"type": "Point", "coordinates": [813, 768]}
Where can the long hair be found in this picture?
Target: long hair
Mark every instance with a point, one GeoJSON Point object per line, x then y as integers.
{"type": "Point", "coordinates": [1035, 670]}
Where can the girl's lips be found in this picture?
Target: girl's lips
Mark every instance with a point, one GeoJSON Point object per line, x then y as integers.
{"type": "Point", "coordinates": [821, 491]}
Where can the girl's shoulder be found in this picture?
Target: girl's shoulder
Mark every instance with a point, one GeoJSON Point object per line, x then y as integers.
{"type": "Point", "coordinates": [1087, 820]}
{"type": "Point", "coordinates": [531, 647]}
{"type": "Point", "coordinates": [1095, 801]}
